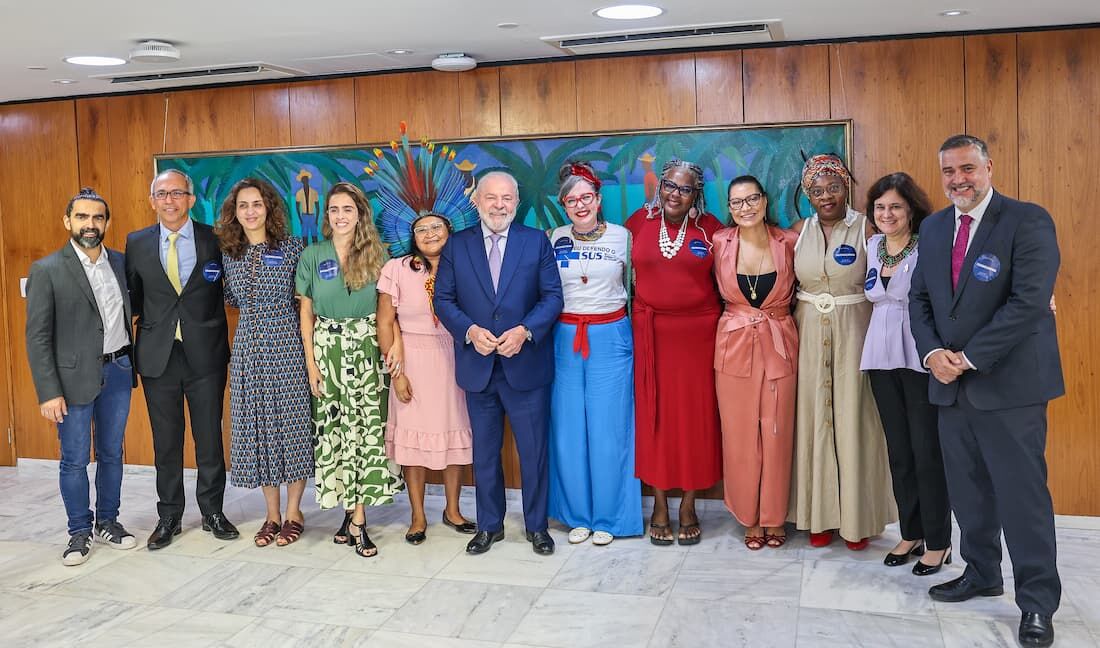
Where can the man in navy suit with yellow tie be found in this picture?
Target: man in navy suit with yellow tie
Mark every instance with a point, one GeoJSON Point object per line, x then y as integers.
{"type": "Point", "coordinates": [981, 316]}
{"type": "Point", "coordinates": [498, 293]}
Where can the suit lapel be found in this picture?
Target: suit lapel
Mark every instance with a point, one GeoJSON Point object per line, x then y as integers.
{"type": "Point", "coordinates": [202, 255]}
{"type": "Point", "coordinates": [940, 241]}
{"type": "Point", "coordinates": [119, 267]}
{"type": "Point", "coordinates": [513, 252]}
{"type": "Point", "coordinates": [989, 221]}
{"type": "Point", "coordinates": [475, 249]}
{"type": "Point", "coordinates": [72, 262]}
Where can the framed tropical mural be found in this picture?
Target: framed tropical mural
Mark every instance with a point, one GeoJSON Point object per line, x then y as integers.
{"type": "Point", "coordinates": [629, 164]}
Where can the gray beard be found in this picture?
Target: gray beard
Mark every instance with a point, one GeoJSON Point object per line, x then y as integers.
{"type": "Point", "coordinates": [85, 243]}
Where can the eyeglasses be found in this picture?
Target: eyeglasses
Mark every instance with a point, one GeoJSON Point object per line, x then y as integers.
{"type": "Point", "coordinates": [176, 194]}
{"type": "Point", "coordinates": [670, 186]}
{"type": "Point", "coordinates": [751, 200]}
{"type": "Point", "coordinates": [434, 228]}
{"type": "Point", "coordinates": [584, 199]}
{"type": "Point", "coordinates": [834, 189]}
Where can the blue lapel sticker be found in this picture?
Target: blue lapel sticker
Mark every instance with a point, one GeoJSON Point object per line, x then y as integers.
{"type": "Point", "coordinates": [872, 278]}
{"type": "Point", "coordinates": [273, 257]}
{"type": "Point", "coordinates": [328, 269]}
{"type": "Point", "coordinates": [987, 267]}
{"type": "Point", "coordinates": [212, 271]}
{"type": "Point", "coordinates": [845, 255]}
{"type": "Point", "coordinates": [698, 248]}
{"type": "Point", "coordinates": [563, 251]}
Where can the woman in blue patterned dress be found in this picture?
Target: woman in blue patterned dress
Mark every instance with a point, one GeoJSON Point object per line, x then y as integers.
{"type": "Point", "coordinates": [271, 441]}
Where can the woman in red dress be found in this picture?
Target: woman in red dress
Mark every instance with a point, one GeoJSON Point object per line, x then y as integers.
{"type": "Point", "coordinates": [675, 317]}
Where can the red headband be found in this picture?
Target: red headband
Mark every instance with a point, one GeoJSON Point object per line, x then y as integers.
{"type": "Point", "coordinates": [585, 173]}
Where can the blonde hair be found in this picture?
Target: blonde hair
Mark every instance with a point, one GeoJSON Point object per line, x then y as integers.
{"type": "Point", "coordinates": [366, 256]}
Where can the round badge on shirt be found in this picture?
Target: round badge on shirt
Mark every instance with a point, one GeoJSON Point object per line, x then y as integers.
{"type": "Point", "coordinates": [987, 267]}
{"type": "Point", "coordinates": [845, 255]}
{"type": "Point", "coordinates": [273, 257]}
{"type": "Point", "coordinates": [698, 248]}
{"type": "Point", "coordinates": [328, 269]}
{"type": "Point", "coordinates": [564, 245]}
{"type": "Point", "coordinates": [872, 279]}
{"type": "Point", "coordinates": [212, 271]}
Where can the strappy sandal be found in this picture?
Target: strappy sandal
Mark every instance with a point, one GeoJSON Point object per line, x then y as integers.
{"type": "Point", "coordinates": [290, 533]}
{"type": "Point", "coordinates": [266, 534]}
{"type": "Point", "coordinates": [661, 529]}
{"type": "Point", "coordinates": [775, 541]}
{"type": "Point", "coordinates": [361, 541]}
{"type": "Point", "coordinates": [684, 538]}
{"type": "Point", "coordinates": [756, 543]}
{"type": "Point", "coordinates": [341, 536]}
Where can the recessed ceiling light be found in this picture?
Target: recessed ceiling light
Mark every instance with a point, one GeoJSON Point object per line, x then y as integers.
{"type": "Point", "coordinates": [629, 12]}
{"type": "Point", "coordinates": [507, 25]}
{"type": "Point", "coordinates": [951, 13]}
{"type": "Point", "coordinates": [36, 67]}
{"type": "Point", "coordinates": [64, 81]}
{"type": "Point", "coordinates": [399, 52]}
{"type": "Point", "coordinates": [95, 60]}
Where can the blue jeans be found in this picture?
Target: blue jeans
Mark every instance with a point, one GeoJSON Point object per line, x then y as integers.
{"type": "Point", "coordinates": [109, 412]}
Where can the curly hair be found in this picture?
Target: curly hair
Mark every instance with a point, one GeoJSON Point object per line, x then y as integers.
{"type": "Point", "coordinates": [901, 182]}
{"type": "Point", "coordinates": [700, 203]}
{"type": "Point", "coordinates": [231, 236]}
{"type": "Point", "coordinates": [366, 256]}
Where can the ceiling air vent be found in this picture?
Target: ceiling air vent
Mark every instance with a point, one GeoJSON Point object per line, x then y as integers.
{"type": "Point", "coordinates": [711, 35]}
{"type": "Point", "coordinates": [200, 75]}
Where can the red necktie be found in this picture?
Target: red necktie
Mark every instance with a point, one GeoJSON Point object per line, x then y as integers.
{"type": "Point", "coordinates": [958, 253]}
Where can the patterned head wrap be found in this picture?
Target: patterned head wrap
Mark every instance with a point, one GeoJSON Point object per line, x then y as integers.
{"type": "Point", "coordinates": [827, 164]}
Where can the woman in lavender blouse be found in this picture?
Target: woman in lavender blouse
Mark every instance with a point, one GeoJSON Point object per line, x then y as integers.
{"type": "Point", "coordinates": [899, 379]}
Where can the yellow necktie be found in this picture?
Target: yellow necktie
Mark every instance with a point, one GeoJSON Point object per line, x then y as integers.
{"type": "Point", "coordinates": [173, 263]}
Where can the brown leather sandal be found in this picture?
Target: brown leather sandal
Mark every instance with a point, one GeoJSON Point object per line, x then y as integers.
{"type": "Point", "coordinates": [756, 543]}
{"type": "Point", "coordinates": [775, 541]}
{"type": "Point", "coordinates": [266, 534]}
{"type": "Point", "coordinates": [290, 533]}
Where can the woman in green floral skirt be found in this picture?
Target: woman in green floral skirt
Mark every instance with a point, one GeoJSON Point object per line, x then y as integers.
{"type": "Point", "coordinates": [336, 280]}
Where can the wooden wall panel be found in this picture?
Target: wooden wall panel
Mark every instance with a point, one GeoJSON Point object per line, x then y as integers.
{"type": "Point", "coordinates": [38, 175]}
{"type": "Point", "coordinates": [322, 112]}
{"type": "Point", "coordinates": [272, 119]}
{"type": "Point", "coordinates": [720, 96]}
{"type": "Point", "coordinates": [636, 92]}
{"type": "Point", "coordinates": [219, 119]}
{"type": "Point", "coordinates": [1059, 168]}
{"type": "Point", "coordinates": [538, 98]}
{"type": "Point", "coordinates": [905, 98]}
{"type": "Point", "coordinates": [786, 84]}
{"type": "Point", "coordinates": [8, 450]}
{"type": "Point", "coordinates": [426, 101]}
{"type": "Point", "coordinates": [991, 97]}
{"type": "Point", "coordinates": [94, 144]}
{"type": "Point", "coordinates": [479, 103]}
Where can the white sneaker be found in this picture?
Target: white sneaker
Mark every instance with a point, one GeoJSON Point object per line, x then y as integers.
{"type": "Point", "coordinates": [579, 535]}
{"type": "Point", "coordinates": [602, 538]}
{"type": "Point", "coordinates": [80, 545]}
{"type": "Point", "coordinates": [114, 535]}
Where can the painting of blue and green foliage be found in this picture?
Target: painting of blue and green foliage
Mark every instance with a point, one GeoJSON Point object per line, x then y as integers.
{"type": "Point", "coordinates": [628, 163]}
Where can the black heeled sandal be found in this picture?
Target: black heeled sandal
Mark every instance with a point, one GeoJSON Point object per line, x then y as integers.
{"type": "Point", "coordinates": [923, 569]}
{"type": "Point", "coordinates": [897, 560]}
{"type": "Point", "coordinates": [361, 541]}
{"type": "Point", "coordinates": [341, 536]}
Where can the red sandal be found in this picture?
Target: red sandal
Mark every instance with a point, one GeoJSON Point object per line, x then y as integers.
{"type": "Point", "coordinates": [290, 533]}
{"type": "Point", "coordinates": [266, 534]}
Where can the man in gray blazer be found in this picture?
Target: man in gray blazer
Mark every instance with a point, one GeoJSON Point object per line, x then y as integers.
{"type": "Point", "coordinates": [78, 345]}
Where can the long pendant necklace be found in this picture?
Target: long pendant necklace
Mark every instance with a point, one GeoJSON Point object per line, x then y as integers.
{"type": "Point", "coordinates": [594, 235]}
{"type": "Point", "coordinates": [890, 260]}
{"type": "Point", "coordinates": [754, 283]}
{"type": "Point", "coordinates": [669, 248]}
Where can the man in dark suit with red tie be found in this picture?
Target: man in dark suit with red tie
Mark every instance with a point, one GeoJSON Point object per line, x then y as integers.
{"type": "Point", "coordinates": [981, 316]}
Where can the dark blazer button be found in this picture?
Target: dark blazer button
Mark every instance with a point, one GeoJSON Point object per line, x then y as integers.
{"type": "Point", "coordinates": [954, 317]}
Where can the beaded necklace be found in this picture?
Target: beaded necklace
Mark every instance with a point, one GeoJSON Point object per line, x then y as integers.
{"type": "Point", "coordinates": [890, 260]}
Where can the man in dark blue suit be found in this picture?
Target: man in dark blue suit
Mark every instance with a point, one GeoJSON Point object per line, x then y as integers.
{"type": "Point", "coordinates": [981, 316]}
{"type": "Point", "coordinates": [498, 293]}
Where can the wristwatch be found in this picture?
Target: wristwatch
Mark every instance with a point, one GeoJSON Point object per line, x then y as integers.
{"type": "Point", "coordinates": [530, 336]}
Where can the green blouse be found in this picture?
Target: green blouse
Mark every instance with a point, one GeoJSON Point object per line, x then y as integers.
{"type": "Point", "coordinates": [319, 278]}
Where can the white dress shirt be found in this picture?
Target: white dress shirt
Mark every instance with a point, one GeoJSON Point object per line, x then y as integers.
{"type": "Point", "coordinates": [108, 297]}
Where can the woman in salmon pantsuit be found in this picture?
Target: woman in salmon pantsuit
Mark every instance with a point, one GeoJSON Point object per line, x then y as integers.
{"type": "Point", "coordinates": [675, 315]}
{"type": "Point", "coordinates": [755, 364]}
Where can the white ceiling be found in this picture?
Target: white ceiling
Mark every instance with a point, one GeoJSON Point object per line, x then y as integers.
{"type": "Point", "coordinates": [321, 37]}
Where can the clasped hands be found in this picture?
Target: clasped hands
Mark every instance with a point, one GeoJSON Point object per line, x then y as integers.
{"type": "Point", "coordinates": [508, 344]}
{"type": "Point", "coordinates": [947, 366]}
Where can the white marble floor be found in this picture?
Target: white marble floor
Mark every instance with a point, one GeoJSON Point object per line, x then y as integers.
{"type": "Point", "coordinates": [203, 592]}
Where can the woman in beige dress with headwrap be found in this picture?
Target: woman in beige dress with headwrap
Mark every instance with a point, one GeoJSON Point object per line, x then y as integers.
{"type": "Point", "coordinates": [841, 479]}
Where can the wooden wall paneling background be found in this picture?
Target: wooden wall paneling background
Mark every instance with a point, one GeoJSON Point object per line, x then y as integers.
{"type": "Point", "coordinates": [8, 451]}
{"type": "Point", "coordinates": [38, 174]}
{"type": "Point", "coordinates": [904, 97]}
{"type": "Point", "coordinates": [1059, 96]}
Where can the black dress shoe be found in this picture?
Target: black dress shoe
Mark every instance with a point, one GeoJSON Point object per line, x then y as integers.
{"type": "Point", "coordinates": [1036, 629]}
{"type": "Point", "coordinates": [897, 560]}
{"type": "Point", "coordinates": [222, 528]}
{"type": "Point", "coordinates": [465, 527]}
{"type": "Point", "coordinates": [962, 589]}
{"type": "Point", "coordinates": [162, 535]}
{"type": "Point", "coordinates": [541, 542]}
{"type": "Point", "coordinates": [483, 540]}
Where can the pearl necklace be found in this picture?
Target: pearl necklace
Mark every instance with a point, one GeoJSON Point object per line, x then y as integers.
{"type": "Point", "coordinates": [669, 248]}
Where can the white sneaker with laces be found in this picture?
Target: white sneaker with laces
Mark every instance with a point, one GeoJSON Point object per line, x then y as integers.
{"type": "Point", "coordinates": [602, 538]}
{"type": "Point", "coordinates": [80, 546]}
{"type": "Point", "coordinates": [114, 535]}
{"type": "Point", "coordinates": [579, 535]}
